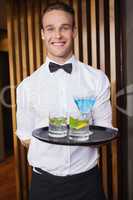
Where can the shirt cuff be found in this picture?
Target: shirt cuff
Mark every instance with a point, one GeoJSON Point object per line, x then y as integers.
{"type": "Point", "coordinates": [22, 136]}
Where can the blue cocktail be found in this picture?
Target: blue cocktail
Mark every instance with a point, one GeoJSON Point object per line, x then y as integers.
{"type": "Point", "coordinates": [79, 122]}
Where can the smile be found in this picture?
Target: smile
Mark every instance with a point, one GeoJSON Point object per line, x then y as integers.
{"type": "Point", "coordinates": [58, 43]}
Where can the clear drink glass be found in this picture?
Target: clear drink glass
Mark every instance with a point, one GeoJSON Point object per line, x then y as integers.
{"type": "Point", "coordinates": [79, 127]}
{"type": "Point", "coordinates": [57, 124]}
{"type": "Point", "coordinates": [79, 122]}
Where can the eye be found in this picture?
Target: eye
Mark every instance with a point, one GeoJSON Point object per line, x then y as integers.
{"type": "Point", "coordinates": [65, 28]}
{"type": "Point", "coordinates": [50, 29]}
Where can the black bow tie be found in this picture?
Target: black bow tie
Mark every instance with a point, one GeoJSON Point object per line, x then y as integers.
{"type": "Point", "coordinates": [66, 67]}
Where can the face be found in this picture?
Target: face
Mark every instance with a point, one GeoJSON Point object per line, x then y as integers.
{"type": "Point", "coordinates": [58, 34]}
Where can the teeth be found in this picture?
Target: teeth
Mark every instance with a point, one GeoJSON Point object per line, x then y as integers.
{"type": "Point", "coordinates": [58, 43]}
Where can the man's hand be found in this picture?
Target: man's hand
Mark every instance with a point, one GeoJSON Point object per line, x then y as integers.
{"type": "Point", "coordinates": [25, 143]}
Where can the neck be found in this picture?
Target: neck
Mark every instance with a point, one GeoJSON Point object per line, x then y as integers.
{"type": "Point", "coordinates": [59, 60]}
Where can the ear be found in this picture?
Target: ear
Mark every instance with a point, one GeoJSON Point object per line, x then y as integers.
{"type": "Point", "coordinates": [74, 32]}
{"type": "Point", "coordinates": [42, 34]}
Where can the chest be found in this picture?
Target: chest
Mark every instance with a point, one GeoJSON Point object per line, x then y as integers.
{"type": "Point", "coordinates": [59, 93]}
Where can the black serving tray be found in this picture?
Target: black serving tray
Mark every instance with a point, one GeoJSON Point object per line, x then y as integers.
{"type": "Point", "coordinates": [100, 135]}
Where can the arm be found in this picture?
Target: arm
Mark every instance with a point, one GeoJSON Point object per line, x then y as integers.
{"type": "Point", "coordinates": [25, 116]}
{"type": "Point", "coordinates": [102, 111]}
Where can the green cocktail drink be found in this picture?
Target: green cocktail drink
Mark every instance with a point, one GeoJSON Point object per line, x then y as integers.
{"type": "Point", "coordinates": [57, 126]}
{"type": "Point", "coordinates": [79, 121]}
{"type": "Point", "coordinates": [78, 124]}
{"type": "Point", "coordinates": [58, 121]}
{"type": "Point", "coordinates": [79, 128]}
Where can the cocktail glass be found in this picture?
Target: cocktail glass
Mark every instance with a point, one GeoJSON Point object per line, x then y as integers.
{"type": "Point", "coordinates": [57, 124]}
{"type": "Point", "coordinates": [79, 121]}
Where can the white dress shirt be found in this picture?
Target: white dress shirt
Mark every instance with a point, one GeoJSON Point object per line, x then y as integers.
{"type": "Point", "coordinates": [44, 91]}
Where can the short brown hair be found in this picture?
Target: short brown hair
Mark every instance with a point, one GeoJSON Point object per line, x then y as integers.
{"type": "Point", "coordinates": [59, 6]}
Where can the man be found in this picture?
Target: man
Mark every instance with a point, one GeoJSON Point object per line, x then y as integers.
{"type": "Point", "coordinates": [61, 172]}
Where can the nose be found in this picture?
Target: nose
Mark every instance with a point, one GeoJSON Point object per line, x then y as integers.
{"type": "Point", "coordinates": [58, 34]}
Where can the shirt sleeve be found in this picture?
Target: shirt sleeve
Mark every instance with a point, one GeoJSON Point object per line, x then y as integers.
{"type": "Point", "coordinates": [24, 115]}
{"type": "Point", "coordinates": [102, 111]}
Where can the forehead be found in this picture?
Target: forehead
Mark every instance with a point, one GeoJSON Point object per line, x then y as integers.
{"type": "Point", "coordinates": [57, 17]}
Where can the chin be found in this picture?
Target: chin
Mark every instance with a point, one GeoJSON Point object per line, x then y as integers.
{"type": "Point", "coordinates": [60, 55]}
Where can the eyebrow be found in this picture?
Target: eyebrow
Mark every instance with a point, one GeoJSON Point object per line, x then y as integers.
{"type": "Point", "coordinates": [50, 25]}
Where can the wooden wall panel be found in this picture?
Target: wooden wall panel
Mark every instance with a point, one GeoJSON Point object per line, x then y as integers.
{"type": "Point", "coordinates": [17, 44]}
{"type": "Point", "coordinates": [2, 148]}
{"type": "Point", "coordinates": [112, 16]}
{"type": "Point", "coordinates": [4, 44]}
{"type": "Point", "coordinates": [94, 44]}
{"type": "Point", "coordinates": [101, 35]}
{"type": "Point", "coordinates": [84, 32]}
{"type": "Point", "coordinates": [76, 41]}
{"type": "Point", "coordinates": [31, 35]}
{"type": "Point", "coordinates": [43, 5]}
{"type": "Point", "coordinates": [103, 149]}
{"type": "Point", "coordinates": [93, 33]}
{"type": "Point", "coordinates": [2, 138]}
{"type": "Point", "coordinates": [10, 28]}
{"type": "Point", "coordinates": [37, 10]}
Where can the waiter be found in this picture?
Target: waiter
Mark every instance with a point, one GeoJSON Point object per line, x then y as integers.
{"type": "Point", "coordinates": [61, 172]}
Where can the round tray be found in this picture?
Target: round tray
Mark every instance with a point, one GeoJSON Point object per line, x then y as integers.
{"type": "Point", "coordinates": [100, 135]}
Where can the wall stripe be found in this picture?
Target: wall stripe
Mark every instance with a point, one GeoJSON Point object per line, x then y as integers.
{"type": "Point", "coordinates": [76, 41]}
{"type": "Point", "coordinates": [113, 95]}
{"type": "Point", "coordinates": [84, 32]}
{"type": "Point", "coordinates": [93, 33]}
{"type": "Point", "coordinates": [31, 36]}
{"type": "Point", "coordinates": [43, 5]}
{"type": "Point", "coordinates": [37, 10]}
{"type": "Point", "coordinates": [13, 84]}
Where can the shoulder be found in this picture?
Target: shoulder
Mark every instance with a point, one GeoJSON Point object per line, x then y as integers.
{"type": "Point", "coordinates": [96, 74]}
{"type": "Point", "coordinates": [31, 80]}
{"type": "Point", "coordinates": [96, 78]}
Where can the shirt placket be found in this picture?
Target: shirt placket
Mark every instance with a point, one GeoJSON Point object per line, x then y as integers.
{"type": "Point", "coordinates": [63, 94]}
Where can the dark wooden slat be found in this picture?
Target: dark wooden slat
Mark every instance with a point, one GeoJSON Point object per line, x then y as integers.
{"type": "Point", "coordinates": [24, 39]}
{"type": "Point", "coordinates": [25, 72]}
{"type": "Point", "coordinates": [19, 75]}
{"type": "Point", "coordinates": [93, 33]}
{"type": "Point", "coordinates": [31, 36]}
{"type": "Point", "coordinates": [4, 44]}
{"type": "Point", "coordinates": [107, 38]}
{"type": "Point", "coordinates": [104, 168]}
{"type": "Point", "coordinates": [2, 140]}
{"type": "Point", "coordinates": [7, 177]}
{"type": "Point", "coordinates": [101, 35]}
{"type": "Point", "coordinates": [104, 153]}
{"type": "Point", "coordinates": [32, 61]}
{"type": "Point", "coordinates": [115, 195]}
{"type": "Point", "coordinates": [43, 5]}
{"type": "Point", "coordinates": [113, 96]}
{"type": "Point", "coordinates": [17, 44]}
{"type": "Point", "coordinates": [76, 41]}
{"type": "Point", "coordinates": [13, 85]}
{"type": "Point", "coordinates": [38, 33]}
{"type": "Point", "coordinates": [24, 173]}
{"type": "Point", "coordinates": [84, 32]}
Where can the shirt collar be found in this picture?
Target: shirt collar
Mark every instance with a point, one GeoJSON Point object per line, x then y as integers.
{"type": "Point", "coordinates": [70, 60]}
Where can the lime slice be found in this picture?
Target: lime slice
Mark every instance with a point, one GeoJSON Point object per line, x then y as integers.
{"type": "Point", "coordinates": [82, 125]}
{"type": "Point", "coordinates": [77, 124]}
